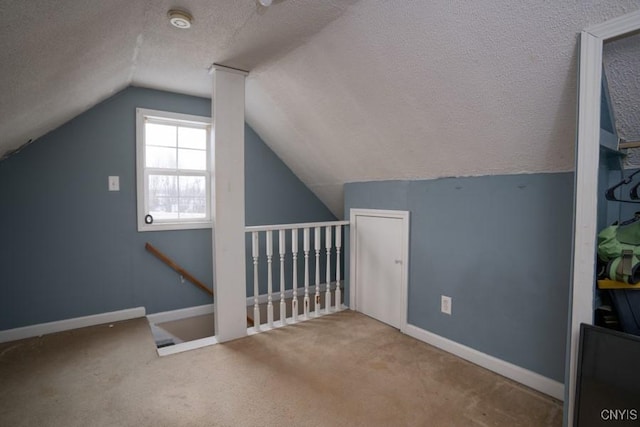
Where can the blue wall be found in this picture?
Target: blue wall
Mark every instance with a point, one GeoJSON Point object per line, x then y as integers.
{"type": "Point", "coordinates": [69, 247]}
{"type": "Point", "coordinates": [274, 195]}
{"type": "Point", "coordinates": [500, 246]}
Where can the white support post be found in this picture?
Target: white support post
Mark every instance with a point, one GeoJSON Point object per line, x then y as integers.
{"type": "Point", "coordinates": [228, 204]}
{"type": "Point", "coordinates": [327, 295]}
{"type": "Point", "coordinates": [255, 248]}
{"type": "Point", "coordinates": [269, 278]}
{"type": "Point", "coordinates": [338, 247]}
{"type": "Point", "coordinates": [316, 242]}
{"type": "Point", "coordinates": [306, 300]}
{"type": "Point", "coordinates": [294, 250]}
{"type": "Point", "coordinates": [283, 249]}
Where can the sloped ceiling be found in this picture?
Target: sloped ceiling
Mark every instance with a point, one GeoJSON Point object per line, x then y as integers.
{"type": "Point", "coordinates": [341, 90]}
{"type": "Point", "coordinates": [621, 58]}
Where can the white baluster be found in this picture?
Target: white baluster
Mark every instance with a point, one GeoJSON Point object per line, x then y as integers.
{"type": "Point", "coordinates": [282, 248]}
{"type": "Point", "coordinates": [256, 291]}
{"type": "Point", "coordinates": [316, 242]}
{"type": "Point", "coordinates": [327, 244]}
{"type": "Point", "coordinates": [338, 246]}
{"type": "Point", "coordinates": [269, 278]}
{"type": "Point", "coordinates": [294, 250]}
{"type": "Point", "coordinates": [306, 300]}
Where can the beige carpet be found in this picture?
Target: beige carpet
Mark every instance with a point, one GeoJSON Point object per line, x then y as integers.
{"type": "Point", "coordinates": [342, 369]}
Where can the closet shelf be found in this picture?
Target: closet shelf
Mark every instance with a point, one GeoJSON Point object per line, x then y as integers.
{"type": "Point", "coordinates": [612, 284]}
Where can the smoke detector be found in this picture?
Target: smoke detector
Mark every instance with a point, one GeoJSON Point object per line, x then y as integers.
{"type": "Point", "coordinates": [180, 19]}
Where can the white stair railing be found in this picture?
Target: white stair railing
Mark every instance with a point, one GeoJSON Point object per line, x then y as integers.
{"type": "Point", "coordinates": [307, 301]}
{"type": "Point", "coordinates": [255, 245]}
{"type": "Point", "coordinates": [327, 238]}
{"type": "Point", "coordinates": [283, 250]}
{"type": "Point", "coordinates": [338, 294]}
{"type": "Point", "coordinates": [317, 242]}
{"type": "Point", "coordinates": [327, 245]}
{"type": "Point", "coordinates": [294, 251]}
{"type": "Point", "coordinates": [269, 279]}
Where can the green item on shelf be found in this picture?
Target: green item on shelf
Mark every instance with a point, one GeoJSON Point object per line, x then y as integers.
{"type": "Point", "coordinates": [619, 247]}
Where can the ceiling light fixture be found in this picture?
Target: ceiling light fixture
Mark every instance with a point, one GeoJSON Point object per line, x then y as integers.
{"type": "Point", "coordinates": [180, 18]}
{"type": "Point", "coordinates": [265, 3]}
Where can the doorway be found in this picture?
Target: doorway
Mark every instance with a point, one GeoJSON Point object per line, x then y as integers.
{"type": "Point", "coordinates": [379, 264]}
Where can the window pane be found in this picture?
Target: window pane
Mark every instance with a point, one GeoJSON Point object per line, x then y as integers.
{"type": "Point", "coordinates": [164, 208]}
{"type": "Point", "coordinates": [192, 186]}
{"type": "Point", "coordinates": [160, 157]}
{"type": "Point", "coordinates": [193, 207]}
{"type": "Point", "coordinates": [192, 138]}
{"type": "Point", "coordinates": [162, 187]}
{"type": "Point", "coordinates": [163, 202]}
{"type": "Point", "coordinates": [156, 134]}
{"type": "Point", "coordinates": [192, 159]}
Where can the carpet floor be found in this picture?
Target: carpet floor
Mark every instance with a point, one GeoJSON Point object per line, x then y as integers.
{"type": "Point", "coordinates": [343, 369]}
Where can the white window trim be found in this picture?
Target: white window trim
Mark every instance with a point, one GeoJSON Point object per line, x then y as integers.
{"type": "Point", "coordinates": [141, 113]}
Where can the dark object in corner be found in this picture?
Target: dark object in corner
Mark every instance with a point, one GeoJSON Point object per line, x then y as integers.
{"type": "Point", "coordinates": [608, 378]}
{"type": "Point", "coordinates": [610, 193]}
{"type": "Point", "coordinates": [164, 343]}
{"type": "Point", "coordinates": [627, 306]}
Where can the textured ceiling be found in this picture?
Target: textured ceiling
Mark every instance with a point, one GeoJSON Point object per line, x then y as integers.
{"type": "Point", "coordinates": [341, 90]}
{"type": "Point", "coordinates": [58, 58]}
{"type": "Point", "coordinates": [621, 60]}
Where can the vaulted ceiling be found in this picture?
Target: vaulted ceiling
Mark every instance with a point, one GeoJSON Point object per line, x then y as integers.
{"type": "Point", "coordinates": [341, 90]}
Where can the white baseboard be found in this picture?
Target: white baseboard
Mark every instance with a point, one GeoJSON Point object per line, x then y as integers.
{"type": "Point", "coordinates": [183, 313]}
{"type": "Point", "coordinates": [67, 324]}
{"type": "Point", "coordinates": [186, 346]}
{"type": "Point", "coordinates": [516, 373]}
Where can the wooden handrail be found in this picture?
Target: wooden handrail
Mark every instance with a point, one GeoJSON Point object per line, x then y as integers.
{"type": "Point", "coordinates": [184, 273]}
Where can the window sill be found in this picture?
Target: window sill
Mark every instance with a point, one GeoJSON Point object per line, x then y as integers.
{"type": "Point", "coordinates": [172, 226]}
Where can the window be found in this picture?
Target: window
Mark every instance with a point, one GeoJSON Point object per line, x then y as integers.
{"type": "Point", "coordinates": [173, 170]}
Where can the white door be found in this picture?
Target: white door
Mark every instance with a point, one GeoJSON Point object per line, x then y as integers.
{"type": "Point", "coordinates": [380, 266]}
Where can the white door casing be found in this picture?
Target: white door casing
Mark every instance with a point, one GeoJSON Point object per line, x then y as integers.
{"type": "Point", "coordinates": [379, 264]}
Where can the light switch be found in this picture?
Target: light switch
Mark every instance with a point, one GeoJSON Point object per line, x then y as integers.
{"type": "Point", "coordinates": [114, 183]}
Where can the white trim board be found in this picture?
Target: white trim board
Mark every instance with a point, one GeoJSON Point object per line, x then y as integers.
{"type": "Point", "coordinates": [68, 324]}
{"type": "Point", "coordinates": [516, 373]}
{"type": "Point", "coordinates": [182, 313]}
{"type": "Point", "coordinates": [186, 346]}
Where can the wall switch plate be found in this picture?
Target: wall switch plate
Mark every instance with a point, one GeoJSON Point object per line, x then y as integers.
{"type": "Point", "coordinates": [445, 305]}
{"type": "Point", "coordinates": [114, 183]}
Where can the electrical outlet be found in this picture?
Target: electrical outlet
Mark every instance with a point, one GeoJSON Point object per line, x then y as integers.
{"type": "Point", "coordinates": [445, 305]}
{"type": "Point", "coordinates": [114, 183]}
